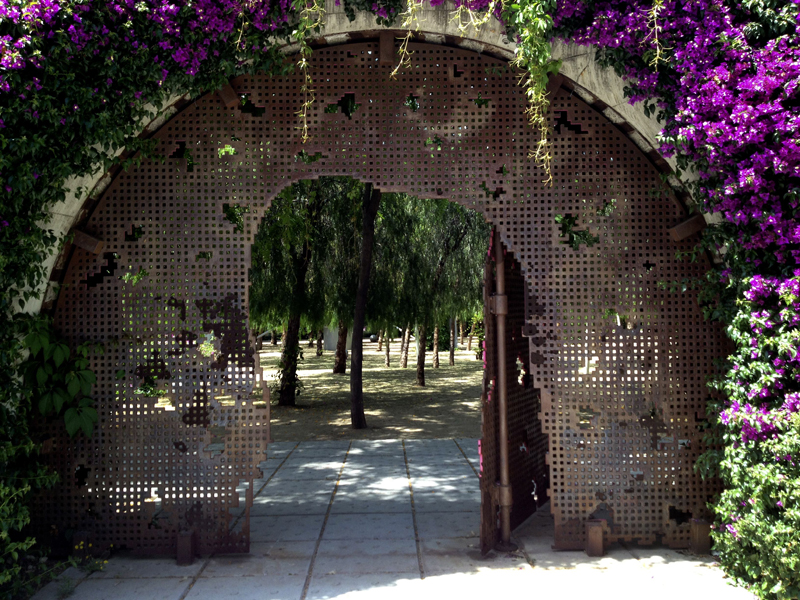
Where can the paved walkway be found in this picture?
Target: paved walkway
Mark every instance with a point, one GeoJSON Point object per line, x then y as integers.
{"type": "Point", "coordinates": [392, 519]}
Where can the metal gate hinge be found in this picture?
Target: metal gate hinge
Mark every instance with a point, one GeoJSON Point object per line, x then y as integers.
{"type": "Point", "coordinates": [504, 497]}
{"type": "Point", "coordinates": [498, 304]}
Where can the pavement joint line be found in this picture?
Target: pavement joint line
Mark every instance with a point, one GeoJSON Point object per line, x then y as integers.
{"type": "Point", "coordinates": [307, 583]}
{"type": "Point", "coordinates": [255, 494]}
{"type": "Point", "coordinates": [469, 462]}
{"type": "Point", "coordinates": [196, 577]}
{"type": "Point", "coordinates": [414, 515]}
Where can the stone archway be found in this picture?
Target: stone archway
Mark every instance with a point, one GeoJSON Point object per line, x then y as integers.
{"type": "Point", "coordinates": [600, 88]}
{"type": "Point", "coordinates": [618, 361]}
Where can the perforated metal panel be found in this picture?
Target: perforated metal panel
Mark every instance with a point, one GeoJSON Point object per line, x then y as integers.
{"type": "Point", "coordinates": [621, 405]}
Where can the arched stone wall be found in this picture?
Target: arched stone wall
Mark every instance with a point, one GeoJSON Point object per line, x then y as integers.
{"type": "Point", "coordinates": [619, 361]}
{"type": "Point", "coordinates": [600, 88]}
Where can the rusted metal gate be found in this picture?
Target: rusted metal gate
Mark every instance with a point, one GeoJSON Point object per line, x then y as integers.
{"type": "Point", "coordinates": [618, 362]}
{"type": "Point", "coordinates": [527, 444]}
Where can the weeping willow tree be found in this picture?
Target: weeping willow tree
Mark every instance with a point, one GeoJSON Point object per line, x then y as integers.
{"type": "Point", "coordinates": [290, 258]}
{"type": "Point", "coordinates": [428, 266]}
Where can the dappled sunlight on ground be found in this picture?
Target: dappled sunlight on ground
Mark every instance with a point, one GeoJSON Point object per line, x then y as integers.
{"type": "Point", "coordinates": [447, 407]}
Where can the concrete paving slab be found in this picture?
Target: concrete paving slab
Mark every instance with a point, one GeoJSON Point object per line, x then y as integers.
{"type": "Point", "coordinates": [388, 483]}
{"type": "Point", "coordinates": [464, 556]}
{"type": "Point", "coordinates": [373, 471]}
{"type": "Point", "coordinates": [268, 469]}
{"type": "Point", "coordinates": [435, 457]}
{"type": "Point", "coordinates": [375, 447]}
{"type": "Point", "coordinates": [265, 507]}
{"type": "Point", "coordinates": [367, 556]}
{"type": "Point", "coordinates": [431, 466]}
{"type": "Point", "coordinates": [381, 526]}
{"type": "Point", "coordinates": [271, 587]}
{"type": "Point", "coordinates": [345, 585]}
{"type": "Point", "coordinates": [171, 588]}
{"type": "Point", "coordinates": [126, 566]}
{"type": "Point", "coordinates": [315, 451]}
{"type": "Point", "coordinates": [276, 449]}
{"type": "Point", "coordinates": [442, 525]}
{"type": "Point", "coordinates": [434, 502]}
{"type": "Point", "coordinates": [393, 460]}
{"type": "Point", "coordinates": [465, 485]}
{"type": "Point", "coordinates": [299, 469]}
{"type": "Point", "coordinates": [350, 493]}
{"type": "Point", "coordinates": [468, 444]}
{"type": "Point", "coordinates": [454, 469]}
{"type": "Point", "coordinates": [357, 506]}
{"type": "Point", "coordinates": [265, 559]}
{"type": "Point", "coordinates": [280, 486]}
{"type": "Point", "coordinates": [335, 444]}
{"type": "Point", "coordinates": [430, 443]}
{"type": "Point", "coordinates": [313, 463]}
{"type": "Point", "coordinates": [289, 528]}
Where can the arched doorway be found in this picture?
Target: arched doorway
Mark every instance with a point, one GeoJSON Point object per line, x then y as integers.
{"type": "Point", "coordinates": [618, 360]}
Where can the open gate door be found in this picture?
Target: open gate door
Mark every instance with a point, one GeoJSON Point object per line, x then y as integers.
{"type": "Point", "coordinates": [526, 445]}
{"type": "Point", "coordinates": [488, 442]}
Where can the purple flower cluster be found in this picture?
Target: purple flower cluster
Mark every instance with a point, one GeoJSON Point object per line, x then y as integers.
{"type": "Point", "coordinates": [766, 369]}
{"type": "Point", "coordinates": [735, 103]}
{"type": "Point", "coordinates": [186, 29]}
{"type": "Point", "coordinates": [730, 92]}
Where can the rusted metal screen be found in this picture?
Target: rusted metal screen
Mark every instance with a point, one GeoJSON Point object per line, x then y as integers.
{"type": "Point", "coordinates": [620, 402]}
{"type": "Point", "coordinates": [527, 450]}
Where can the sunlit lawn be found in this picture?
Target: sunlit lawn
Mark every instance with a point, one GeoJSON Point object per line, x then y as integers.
{"type": "Point", "coordinates": [447, 407]}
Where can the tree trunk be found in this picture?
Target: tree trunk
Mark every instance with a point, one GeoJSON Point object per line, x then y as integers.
{"type": "Point", "coordinates": [388, 341]}
{"type": "Point", "coordinates": [340, 358]}
{"type": "Point", "coordinates": [404, 346]}
{"type": "Point", "coordinates": [372, 200]}
{"type": "Point", "coordinates": [274, 336]}
{"type": "Point", "coordinates": [283, 338]}
{"type": "Point", "coordinates": [381, 333]}
{"type": "Point", "coordinates": [471, 333]}
{"type": "Point", "coordinates": [436, 347]}
{"type": "Point", "coordinates": [461, 332]}
{"type": "Point", "coordinates": [320, 335]}
{"type": "Point", "coordinates": [289, 358]}
{"type": "Point", "coordinates": [423, 338]}
{"type": "Point", "coordinates": [452, 342]}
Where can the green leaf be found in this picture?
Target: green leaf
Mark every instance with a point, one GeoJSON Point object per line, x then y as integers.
{"type": "Point", "coordinates": [32, 343]}
{"type": "Point", "coordinates": [81, 418]}
{"type": "Point", "coordinates": [59, 398]}
{"type": "Point", "coordinates": [45, 404]}
{"type": "Point", "coordinates": [73, 385]}
{"type": "Point", "coordinates": [72, 420]}
{"type": "Point", "coordinates": [41, 377]}
{"type": "Point", "coordinates": [88, 376]}
{"type": "Point", "coordinates": [120, 374]}
{"type": "Point", "coordinates": [60, 354]}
